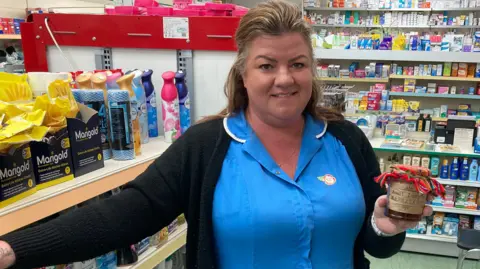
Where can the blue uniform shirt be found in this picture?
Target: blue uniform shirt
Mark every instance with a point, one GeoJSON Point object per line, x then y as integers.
{"type": "Point", "coordinates": [264, 219]}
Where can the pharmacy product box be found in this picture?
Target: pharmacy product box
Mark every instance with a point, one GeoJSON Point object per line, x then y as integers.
{"type": "Point", "coordinates": [374, 96]}
{"type": "Point", "coordinates": [17, 180]}
{"type": "Point", "coordinates": [85, 141]}
{"type": "Point", "coordinates": [52, 159]}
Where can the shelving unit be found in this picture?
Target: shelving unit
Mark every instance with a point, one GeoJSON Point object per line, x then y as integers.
{"type": "Point", "coordinates": [435, 95]}
{"type": "Point", "coordinates": [366, 80]}
{"type": "Point", "coordinates": [397, 55]}
{"type": "Point", "coordinates": [60, 197]}
{"type": "Point", "coordinates": [155, 255]}
{"type": "Point", "coordinates": [435, 78]}
{"type": "Point", "coordinates": [377, 145]}
{"type": "Point", "coordinates": [390, 9]}
{"type": "Point", "coordinates": [10, 37]}
{"type": "Point", "coordinates": [465, 183]}
{"type": "Point", "coordinates": [399, 26]}
{"type": "Point", "coordinates": [454, 210]}
{"type": "Point", "coordinates": [434, 237]}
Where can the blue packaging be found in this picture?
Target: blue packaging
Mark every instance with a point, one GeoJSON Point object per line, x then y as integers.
{"type": "Point", "coordinates": [184, 101]}
{"type": "Point", "coordinates": [137, 87]}
{"type": "Point", "coordinates": [94, 99]}
{"type": "Point", "coordinates": [450, 225]}
{"type": "Point", "coordinates": [389, 105]}
{"type": "Point", "coordinates": [107, 261]}
{"type": "Point", "coordinates": [121, 125]}
{"type": "Point", "coordinates": [454, 169]}
{"type": "Point", "coordinates": [151, 103]}
{"type": "Point", "coordinates": [464, 170]}
{"type": "Point", "coordinates": [476, 142]}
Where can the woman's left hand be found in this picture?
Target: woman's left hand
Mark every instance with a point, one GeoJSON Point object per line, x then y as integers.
{"type": "Point", "coordinates": [393, 226]}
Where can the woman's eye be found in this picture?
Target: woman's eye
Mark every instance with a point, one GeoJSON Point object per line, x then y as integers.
{"type": "Point", "coordinates": [298, 65]}
{"type": "Point", "coordinates": [266, 66]}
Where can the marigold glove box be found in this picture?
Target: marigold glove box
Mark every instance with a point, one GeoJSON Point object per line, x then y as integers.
{"type": "Point", "coordinates": [17, 180]}
{"type": "Point", "coordinates": [52, 159]}
{"type": "Point", "coordinates": [85, 141]}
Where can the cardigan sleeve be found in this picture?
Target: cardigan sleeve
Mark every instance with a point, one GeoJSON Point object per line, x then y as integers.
{"type": "Point", "coordinates": [152, 201]}
{"type": "Point", "coordinates": [375, 245]}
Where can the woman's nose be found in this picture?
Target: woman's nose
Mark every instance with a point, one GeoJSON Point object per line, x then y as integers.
{"type": "Point", "coordinates": [284, 77]}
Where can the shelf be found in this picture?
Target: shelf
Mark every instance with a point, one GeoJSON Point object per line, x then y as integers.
{"type": "Point", "coordinates": [377, 145]}
{"type": "Point", "coordinates": [383, 112]}
{"type": "Point", "coordinates": [396, 55]}
{"type": "Point", "coordinates": [434, 78]}
{"type": "Point", "coordinates": [10, 37]}
{"type": "Point", "coordinates": [372, 26]}
{"type": "Point", "coordinates": [391, 9]}
{"type": "Point", "coordinates": [434, 237]}
{"type": "Point", "coordinates": [367, 9]}
{"type": "Point", "coordinates": [366, 80]}
{"type": "Point", "coordinates": [435, 95]}
{"type": "Point", "coordinates": [456, 210]}
{"type": "Point", "coordinates": [155, 255]}
{"type": "Point", "coordinates": [465, 183]}
{"type": "Point", "coordinates": [60, 197]}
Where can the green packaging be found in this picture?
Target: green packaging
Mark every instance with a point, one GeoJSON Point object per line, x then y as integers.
{"type": "Point", "coordinates": [447, 69]}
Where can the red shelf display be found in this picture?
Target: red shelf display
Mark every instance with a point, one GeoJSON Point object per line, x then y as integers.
{"type": "Point", "coordinates": [205, 33]}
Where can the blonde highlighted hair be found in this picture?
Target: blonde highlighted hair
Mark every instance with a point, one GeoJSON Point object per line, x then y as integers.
{"type": "Point", "coordinates": [272, 18]}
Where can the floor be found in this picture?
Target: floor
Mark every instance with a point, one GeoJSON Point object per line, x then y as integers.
{"type": "Point", "coordinates": [405, 260]}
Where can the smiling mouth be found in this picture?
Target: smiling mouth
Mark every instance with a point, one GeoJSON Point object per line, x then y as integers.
{"type": "Point", "coordinates": [283, 95]}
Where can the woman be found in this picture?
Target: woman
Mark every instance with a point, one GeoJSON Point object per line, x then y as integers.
{"type": "Point", "coordinates": [275, 183]}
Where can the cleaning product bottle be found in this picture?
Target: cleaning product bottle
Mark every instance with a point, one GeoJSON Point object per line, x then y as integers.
{"type": "Point", "coordinates": [142, 104]}
{"type": "Point", "coordinates": [454, 169]}
{"type": "Point", "coordinates": [112, 79]}
{"type": "Point", "coordinates": [99, 81]}
{"type": "Point", "coordinates": [420, 123]}
{"type": "Point", "coordinates": [464, 169]}
{"type": "Point", "coordinates": [151, 103]}
{"type": "Point", "coordinates": [170, 109]}
{"type": "Point", "coordinates": [83, 81]}
{"type": "Point", "coordinates": [184, 101]}
{"type": "Point", "coordinates": [476, 142]}
{"type": "Point", "coordinates": [473, 173]}
{"type": "Point", "coordinates": [434, 166]}
{"type": "Point", "coordinates": [125, 83]}
{"type": "Point", "coordinates": [444, 171]}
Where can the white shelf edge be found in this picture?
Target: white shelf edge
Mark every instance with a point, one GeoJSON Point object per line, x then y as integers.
{"type": "Point", "coordinates": [465, 183]}
{"type": "Point", "coordinates": [155, 255]}
{"type": "Point", "coordinates": [396, 55]}
{"type": "Point", "coordinates": [109, 169]}
{"type": "Point", "coordinates": [454, 210]}
{"type": "Point", "coordinates": [434, 237]}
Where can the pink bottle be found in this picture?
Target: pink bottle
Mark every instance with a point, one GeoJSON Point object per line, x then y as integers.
{"type": "Point", "coordinates": [170, 108]}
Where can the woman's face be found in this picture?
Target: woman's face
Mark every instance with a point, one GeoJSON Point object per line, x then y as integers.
{"type": "Point", "coordinates": [278, 77]}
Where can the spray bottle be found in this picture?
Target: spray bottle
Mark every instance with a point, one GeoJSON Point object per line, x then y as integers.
{"type": "Point", "coordinates": [184, 101]}
{"type": "Point", "coordinates": [151, 103]}
{"type": "Point", "coordinates": [83, 81]}
{"type": "Point", "coordinates": [111, 80]}
{"type": "Point", "coordinates": [142, 104]}
{"type": "Point", "coordinates": [170, 109]}
{"type": "Point", "coordinates": [125, 83]}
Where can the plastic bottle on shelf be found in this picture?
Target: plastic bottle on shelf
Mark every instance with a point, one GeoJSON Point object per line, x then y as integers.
{"type": "Point", "coordinates": [170, 109]}
{"type": "Point", "coordinates": [473, 173]}
{"type": "Point", "coordinates": [464, 169]}
{"type": "Point", "coordinates": [151, 103]}
{"type": "Point", "coordinates": [444, 171]}
{"type": "Point", "coordinates": [454, 169]}
{"type": "Point", "coordinates": [428, 123]}
{"type": "Point", "coordinates": [142, 104]}
{"type": "Point", "coordinates": [184, 101]}
{"type": "Point", "coordinates": [125, 83]}
{"type": "Point", "coordinates": [120, 125]}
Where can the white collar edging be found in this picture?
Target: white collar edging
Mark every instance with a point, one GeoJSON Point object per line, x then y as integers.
{"type": "Point", "coordinates": [234, 137]}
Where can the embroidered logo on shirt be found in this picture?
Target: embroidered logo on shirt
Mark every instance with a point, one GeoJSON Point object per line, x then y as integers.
{"type": "Point", "coordinates": [328, 179]}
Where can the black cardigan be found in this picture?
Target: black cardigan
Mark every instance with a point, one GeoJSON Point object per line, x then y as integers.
{"type": "Point", "coordinates": [181, 180]}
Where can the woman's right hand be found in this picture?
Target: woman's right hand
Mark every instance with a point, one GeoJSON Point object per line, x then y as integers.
{"type": "Point", "coordinates": [7, 257]}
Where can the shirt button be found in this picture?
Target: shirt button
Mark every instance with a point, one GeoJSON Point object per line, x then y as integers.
{"type": "Point", "coordinates": [277, 172]}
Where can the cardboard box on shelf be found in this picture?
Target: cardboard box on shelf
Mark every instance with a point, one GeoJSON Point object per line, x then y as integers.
{"type": "Point", "coordinates": [17, 180]}
{"type": "Point", "coordinates": [85, 141]}
{"type": "Point", "coordinates": [52, 159]}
